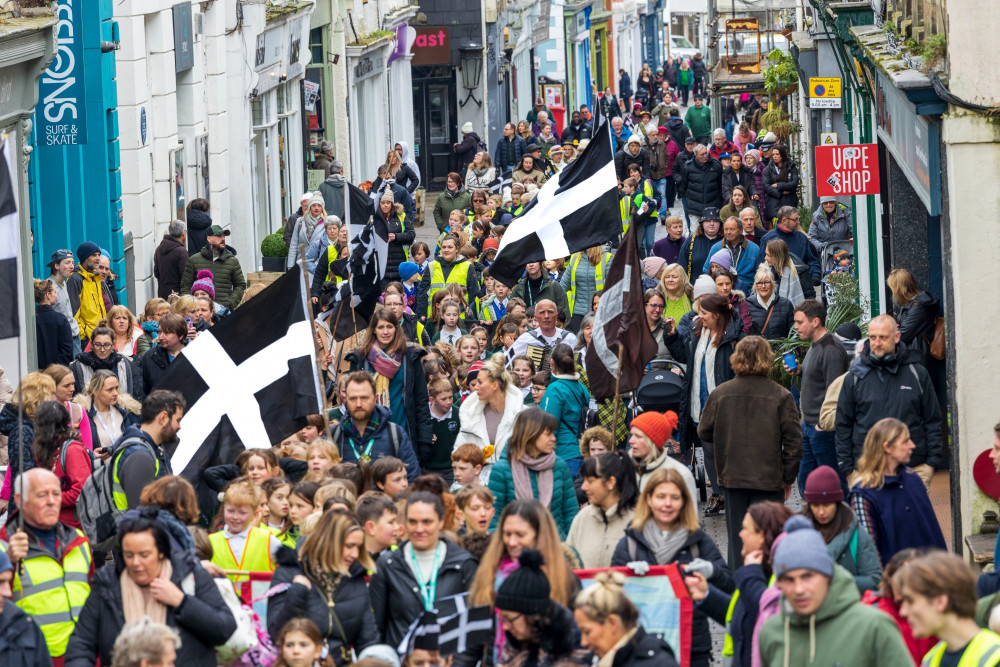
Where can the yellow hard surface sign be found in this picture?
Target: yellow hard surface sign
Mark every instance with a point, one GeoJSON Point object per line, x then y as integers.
{"type": "Point", "coordinates": [824, 87]}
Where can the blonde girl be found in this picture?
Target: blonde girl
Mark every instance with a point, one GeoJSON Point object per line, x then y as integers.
{"type": "Point", "coordinates": [321, 455]}
{"type": "Point", "coordinates": [468, 348]}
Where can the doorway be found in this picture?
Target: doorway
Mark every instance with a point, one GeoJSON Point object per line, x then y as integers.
{"type": "Point", "coordinates": [435, 123]}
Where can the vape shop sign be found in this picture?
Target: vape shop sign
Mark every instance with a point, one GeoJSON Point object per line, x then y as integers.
{"type": "Point", "coordinates": [847, 170]}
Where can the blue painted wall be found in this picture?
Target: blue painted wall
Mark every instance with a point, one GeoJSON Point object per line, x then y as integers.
{"type": "Point", "coordinates": [75, 191]}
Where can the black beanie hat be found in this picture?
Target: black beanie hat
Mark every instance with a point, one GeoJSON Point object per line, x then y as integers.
{"type": "Point", "coordinates": [526, 589]}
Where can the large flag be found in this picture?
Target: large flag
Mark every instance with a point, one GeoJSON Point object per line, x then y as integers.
{"type": "Point", "coordinates": [9, 243]}
{"type": "Point", "coordinates": [249, 381]}
{"type": "Point", "coordinates": [575, 210]}
{"type": "Point", "coordinates": [369, 251]}
{"type": "Point", "coordinates": [620, 326]}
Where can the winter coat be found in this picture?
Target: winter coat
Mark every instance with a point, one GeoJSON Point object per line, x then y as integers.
{"type": "Point", "coordinates": [683, 350]}
{"type": "Point", "coordinates": [701, 185]}
{"type": "Point", "coordinates": [465, 150]}
{"type": "Point", "coordinates": [22, 643]}
{"type": "Point", "coordinates": [659, 159]}
{"type": "Point", "coordinates": [10, 428]}
{"type": "Point", "coordinates": [745, 261]}
{"type": "Point", "coordinates": [478, 181]}
{"type": "Point", "coordinates": [822, 232]}
{"type": "Point", "coordinates": [625, 85]}
{"type": "Point", "coordinates": [577, 133]}
{"type": "Point", "coordinates": [623, 158]}
{"type": "Point", "coordinates": [730, 179]}
{"type": "Point", "coordinates": [129, 375]}
{"type": "Point", "coordinates": [783, 193]}
{"type": "Point", "coordinates": [698, 67]}
{"type": "Point", "coordinates": [798, 245]}
{"type": "Point", "coordinates": [551, 290]}
{"type": "Point", "coordinates": [400, 194]}
{"type": "Point", "coordinates": [840, 632]}
{"type": "Point", "coordinates": [862, 562]}
{"type": "Point", "coordinates": [333, 190]}
{"type": "Point", "coordinates": [127, 409]}
{"type": "Point", "coordinates": [153, 366]}
{"type": "Point", "coordinates": [916, 326]}
{"type": "Point", "coordinates": [568, 402]}
{"type": "Point", "coordinates": [447, 202]}
{"type": "Point", "coordinates": [595, 534]}
{"type": "Point", "coordinates": [395, 594]}
{"type": "Point", "coordinates": [644, 650]}
{"type": "Point", "coordinates": [418, 412]}
{"type": "Point", "coordinates": [717, 152]}
{"type": "Point", "coordinates": [202, 620]}
{"type": "Point", "coordinates": [423, 289]}
{"type": "Point", "coordinates": [351, 606]}
{"type": "Point", "coordinates": [897, 387]}
{"type": "Point", "coordinates": [517, 147]}
{"type": "Point", "coordinates": [585, 283]}
{"type": "Point", "coordinates": [302, 235]}
{"type": "Point", "coordinates": [383, 445]}
{"type": "Point", "coordinates": [678, 131]}
{"type": "Point", "coordinates": [698, 545]}
{"type": "Point", "coordinates": [473, 425]}
{"type": "Point", "coordinates": [754, 424]}
{"type": "Point", "coordinates": [54, 337]}
{"type": "Point", "coordinates": [694, 254]}
{"type": "Point", "coordinates": [169, 261]}
{"type": "Point", "coordinates": [198, 223]}
{"type": "Point", "coordinates": [227, 275]}
{"type": "Point", "coordinates": [412, 180]}
{"type": "Point", "coordinates": [86, 300]}
{"type": "Point", "coordinates": [780, 311]}
{"type": "Point", "coordinates": [563, 506]}
{"type": "Point", "coordinates": [402, 227]}
{"type": "Point", "coordinates": [751, 584]}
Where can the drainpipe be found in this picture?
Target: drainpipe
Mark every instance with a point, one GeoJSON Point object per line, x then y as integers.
{"type": "Point", "coordinates": [338, 46]}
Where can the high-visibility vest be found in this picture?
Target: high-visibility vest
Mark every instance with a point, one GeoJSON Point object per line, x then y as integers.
{"type": "Point", "coordinates": [282, 536]}
{"type": "Point", "coordinates": [598, 279]}
{"type": "Point", "coordinates": [727, 640]}
{"type": "Point", "coordinates": [117, 490]}
{"type": "Point", "coordinates": [647, 193]}
{"type": "Point", "coordinates": [53, 593]}
{"type": "Point", "coordinates": [459, 275]}
{"type": "Point", "coordinates": [256, 555]}
{"type": "Point", "coordinates": [332, 255]}
{"type": "Point", "coordinates": [982, 651]}
{"type": "Point", "coordinates": [486, 314]}
{"type": "Point", "coordinates": [625, 207]}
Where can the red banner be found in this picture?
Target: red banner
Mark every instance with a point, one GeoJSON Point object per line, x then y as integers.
{"type": "Point", "coordinates": [847, 170]}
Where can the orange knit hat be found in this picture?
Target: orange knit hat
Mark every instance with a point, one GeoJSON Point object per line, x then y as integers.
{"type": "Point", "coordinates": [656, 425]}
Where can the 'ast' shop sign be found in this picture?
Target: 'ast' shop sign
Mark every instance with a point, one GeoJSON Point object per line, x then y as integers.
{"type": "Point", "coordinates": [432, 46]}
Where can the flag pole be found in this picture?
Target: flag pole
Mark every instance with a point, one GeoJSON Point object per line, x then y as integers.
{"type": "Point", "coordinates": [618, 398]}
{"type": "Point", "coordinates": [315, 329]}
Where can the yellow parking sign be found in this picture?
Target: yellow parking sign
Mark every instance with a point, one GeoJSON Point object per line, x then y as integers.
{"type": "Point", "coordinates": [824, 93]}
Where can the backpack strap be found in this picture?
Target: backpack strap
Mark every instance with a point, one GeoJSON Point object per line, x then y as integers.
{"type": "Point", "coordinates": [916, 376]}
{"type": "Point", "coordinates": [695, 551]}
{"type": "Point", "coordinates": [853, 546]}
{"type": "Point", "coordinates": [395, 435]}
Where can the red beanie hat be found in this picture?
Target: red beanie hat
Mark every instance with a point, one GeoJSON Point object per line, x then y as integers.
{"type": "Point", "coordinates": [656, 425]}
{"type": "Point", "coordinates": [823, 486]}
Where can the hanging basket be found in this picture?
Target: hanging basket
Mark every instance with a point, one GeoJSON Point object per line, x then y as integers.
{"type": "Point", "coordinates": [788, 90]}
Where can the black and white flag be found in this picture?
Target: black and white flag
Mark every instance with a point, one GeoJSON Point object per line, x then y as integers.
{"type": "Point", "coordinates": [423, 634]}
{"type": "Point", "coordinates": [575, 210]}
{"type": "Point", "coordinates": [369, 250]}
{"type": "Point", "coordinates": [468, 626]}
{"type": "Point", "coordinates": [10, 243]}
{"type": "Point", "coordinates": [249, 381]}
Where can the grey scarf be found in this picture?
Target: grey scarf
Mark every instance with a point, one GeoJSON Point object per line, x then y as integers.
{"type": "Point", "coordinates": [664, 544]}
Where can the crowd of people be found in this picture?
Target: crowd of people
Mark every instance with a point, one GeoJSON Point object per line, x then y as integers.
{"type": "Point", "coordinates": [465, 455]}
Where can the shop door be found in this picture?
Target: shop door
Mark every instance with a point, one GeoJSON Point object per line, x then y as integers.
{"type": "Point", "coordinates": [434, 109]}
{"type": "Point", "coordinates": [599, 61]}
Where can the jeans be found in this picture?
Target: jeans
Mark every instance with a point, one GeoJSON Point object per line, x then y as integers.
{"type": "Point", "coordinates": [819, 448]}
{"type": "Point", "coordinates": [649, 235]}
{"type": "Point", "coordinates": [77, 347]}
{"type": "Point", "coordinates": [661, 190]}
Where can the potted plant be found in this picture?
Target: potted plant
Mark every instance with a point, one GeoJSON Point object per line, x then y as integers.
{"type": "Point", "coordinates": [780, 75]}
{"type": "Point", "coordinates": [274, 252]}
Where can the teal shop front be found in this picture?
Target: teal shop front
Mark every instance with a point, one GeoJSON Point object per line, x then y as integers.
{"type": "Point", "coordinates": [73, 176]}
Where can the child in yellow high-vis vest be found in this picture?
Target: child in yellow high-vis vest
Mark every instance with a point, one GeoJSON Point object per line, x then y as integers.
{"type": "Point", "coordinates": [240, 545]}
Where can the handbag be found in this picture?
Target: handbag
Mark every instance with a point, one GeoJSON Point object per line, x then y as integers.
{"type": "Point", "coordinates": [937, 345]}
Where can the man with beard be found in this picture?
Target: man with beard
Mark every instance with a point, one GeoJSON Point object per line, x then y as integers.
{"type": "Point", "coordinates": [139, 457]}
{"type": "Point", "coordinates": [227, 275]}
{"type": "Point", "coordinates": [85, 292]}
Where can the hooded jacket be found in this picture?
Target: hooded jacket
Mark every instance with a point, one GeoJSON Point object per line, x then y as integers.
{"type": "Point", "coordinates": [333, 191]}
{"type": "Point", "coordinates": [86, 300]}
{"type": "Point", "coordinates": [473, 425]}
{"type": "Point", "coordinates": [745, 262]}
{"type": "Point", "coordinates": [840, 632]}
{"type": "Point", "coordinates": [227, 275]}
{"type": "Point", "coordinates": [861, 560]}
{"type": "Point", "coordinates": [701, 185]}
{"type": "Point", "coordinates": [780, 193]}
{"type": "Point", "coordinates": [623, 158]}
{"type": "Point", "coordinates": [447, 202]}
{"type": "Point", "coordinates": [549, 289]}
{"type": "Point", "coordinates": [465, 150]}
{"type": "Point", "coordinates": [168, 266]}
{"type": "Point", "coordinates": [395, 594]}
{"type": "Point", "coordinates": [412, 177]}
{"type": "Point", "coordinates": [198, 223]}
{"type": "Point", "coordinates": [897, 386]}
{"type": "Point", "coordinates": [383, 442]}
{"type": "Point", "coordinates": [351, 605]}
{"type": "Point", "coordinates": [402, 227]}
{"type": "Point", "coordinates": [697, 545]}
{"type": "Point", "coordinates": [568, 402]}
{"type": "Point", "coordinates": [202, 620]}
{"type": "Point", "coordinates": [678, 131]}
{"type": "Point", "coordinates": [798, 245]}
{"type": "Point", "coordinates": [730, 179]}
{"type": "Point", "coordinates": [823, 231]}
{"type": "Point", "coordinates": [53, 335]}
{"type": "Point", "coordinates": [400, 194]}
{"type": "Point", "coordinates": [153, 366]}
{"type": "Point", "coordinates": [22, 643]}
{"type": "Point", "coordinates": [916, 325]}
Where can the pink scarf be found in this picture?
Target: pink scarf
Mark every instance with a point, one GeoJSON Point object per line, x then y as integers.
{"type": "Point", "coordinates": [542, 465]}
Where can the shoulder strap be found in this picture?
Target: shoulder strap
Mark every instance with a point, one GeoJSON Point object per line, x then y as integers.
{"type": "Point", "coordinates": [633, 548]}
{"type": "Point", "coordinates": [916, 376]}
{"type": "Point", "coordinates": [695, 551]}
{"type": "Point", "coordinates": [853, 546]}
{"type": "Point", "coordinates": [394, 437]}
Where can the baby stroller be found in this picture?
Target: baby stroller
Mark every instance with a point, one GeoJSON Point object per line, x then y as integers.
{"type": "Point", "coordinates": [828, 262]}
{"type": "Point", "coordinates": [660, 390]}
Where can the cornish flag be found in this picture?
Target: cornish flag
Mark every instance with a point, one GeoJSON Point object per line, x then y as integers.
{"type": "Point", "coordinates": [575, 210]}
{"type": "Point", "coordinates": [249, 381]}
{"type": "Point", "coordinates": [9, 243]}
{"type": "Point", "coordinates": [369, 251]}
{"type": "Point", "coordinates": [451, 628]}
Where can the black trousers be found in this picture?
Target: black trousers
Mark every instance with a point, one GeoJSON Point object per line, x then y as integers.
{"type": "Point", "coordinates": [737, 503]}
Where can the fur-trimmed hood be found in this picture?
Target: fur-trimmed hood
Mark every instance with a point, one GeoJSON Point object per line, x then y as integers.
{"type": "Point", "coordinates": [125, 402]}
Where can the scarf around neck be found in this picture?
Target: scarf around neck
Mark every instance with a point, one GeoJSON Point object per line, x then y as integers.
{"type": "Point", "coordinates": [542, 465]}
{"type": "Point", "coordinates": [138, 601]}
{"type": "Point", "coordinates": [386, 366]}
{"type": "Point", "coordinates": [665, 544]}
{"type": "Point", "coordinates": [98, 364]}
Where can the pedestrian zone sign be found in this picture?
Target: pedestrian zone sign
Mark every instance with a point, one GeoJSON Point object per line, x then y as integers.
{"type": "Point", "coordinates": [824, 92]}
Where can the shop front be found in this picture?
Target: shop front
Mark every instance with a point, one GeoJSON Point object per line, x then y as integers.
{"type": "Point", "coordinates": [578, 63]}
{"type": "Point", "coordinates": [435, 103]}
{"type": "Point", "coordinates": [602, 57]}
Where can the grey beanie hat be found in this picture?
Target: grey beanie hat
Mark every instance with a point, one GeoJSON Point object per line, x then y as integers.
{"type": "Point", "coordinates": [703, 286]}
{"type": "Point", "coordinates": [802, 547]}
{"type": "Point", "coordinates": [827, 198]}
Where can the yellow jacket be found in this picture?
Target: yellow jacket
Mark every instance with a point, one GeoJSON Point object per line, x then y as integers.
{"type": "Point", "coordinates": [85, 300]}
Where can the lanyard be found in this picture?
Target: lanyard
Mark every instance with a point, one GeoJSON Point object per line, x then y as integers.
{"type": "Point", "coordinates": [366, 456]}
{"type": "Point", "coordinates": [112, 436]}
{"type": "Point", "coordinates": [428, 588]}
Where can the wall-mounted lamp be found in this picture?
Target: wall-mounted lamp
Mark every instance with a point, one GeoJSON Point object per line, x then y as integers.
{"type": "Point", "coordinates": [472, 70]}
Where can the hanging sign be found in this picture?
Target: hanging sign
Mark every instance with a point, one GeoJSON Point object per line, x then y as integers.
{"type": "Point", "coordinates": [847, 170]}
{"type": "Point", "coordinates": [62, 105]}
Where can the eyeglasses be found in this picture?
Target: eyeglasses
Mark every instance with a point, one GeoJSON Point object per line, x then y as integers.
{"type": "Point", "coordinates": [509, 618]}
{"type": "Point", "coordinates": [655, 306]}
{"type": "Point", "coordinates": [101, 346]}
{"type": "Point", "coordinates": [763, 282]}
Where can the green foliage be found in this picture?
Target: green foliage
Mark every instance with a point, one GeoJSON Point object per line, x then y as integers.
{"type": "Point", "coordinates": [780, 74]}
{"type": "Point", "coordinates": [805, 218]}
{"type": "Point", "coordinates": [274, 246]}
{"type": "Point", "coordinates": [936, 48]}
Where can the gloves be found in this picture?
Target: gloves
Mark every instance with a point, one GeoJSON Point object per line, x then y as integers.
{"type": "Point", "coordinates": [639, 567]}
{"type": "Point", "coordinates": [701, 566]}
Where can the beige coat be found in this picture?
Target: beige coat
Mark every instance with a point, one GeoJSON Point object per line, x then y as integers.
{"type": "Point", "coordinates": [828, 412]}
{"type": "Point", "coordinates": [594, 535]}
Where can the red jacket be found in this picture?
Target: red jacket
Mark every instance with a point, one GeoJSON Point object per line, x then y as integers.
{"type": "Point", "coordinates": [918, 647]}
{"type": "Point", "coordinates": [727, 147]}
{"type": "Point", "coordinates": [79, 466]}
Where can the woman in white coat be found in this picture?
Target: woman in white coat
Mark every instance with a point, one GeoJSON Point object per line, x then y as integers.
{"type": "Point", "coordinates": [487, 416]}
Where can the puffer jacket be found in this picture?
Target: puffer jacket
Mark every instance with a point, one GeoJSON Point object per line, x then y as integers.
{"type": "Point", "coordinates": [86, 300]}
{"type": "Point", "coordinates": [333, 191]}
{"type": "Point", "coordinates": [202, 620]}
{"type": "Point", "coordinates": [822, 231]}
{"type": "Point", "coordinates": [698, 545]}
{"type": "Point", "coordinates": [198, 223]}
{"type": "Point", "coordinates": [227, 275]}
{"type": "Point", "coordinates": [395, 594]}
{"type": "Point", "coordinates": [701, 185]}
{"type": "Point", "coordinates": [780, 311]}
{"type": "Point", "coordinates": [346, 621]}
{"type": "Point", "coordinates": [169, 261]}
{"type": "Point", "coordinates": [916, 325]}
{"type": "Point", "coordinates": [730, 179]}
{"type": "Point", "coordinates": [22, 643]}
{"type": "Point", "coordinates": [623, 158]}
{"type": "Point", "coordinates": [861, 561]}
{"type": "Point", "coordinates": [780, 193]}
{"type": "Point", "coordinates": [644, 650]}
{"type": "Point", "coordinates": [563, 505]}
{"type": "Point", "coordinates": [398, 224]}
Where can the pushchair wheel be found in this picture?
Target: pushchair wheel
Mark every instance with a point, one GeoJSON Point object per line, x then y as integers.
{"type": "Point", "coordinates": [699, 481]}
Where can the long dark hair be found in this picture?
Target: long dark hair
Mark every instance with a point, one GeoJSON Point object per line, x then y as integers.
{"type": "Point", "coordinates": [719, 305]}
{"type": "Point", "coordinates": [841, 521]}
{"type": "Point", "coordinates": [617, 465]}
{"type": "Point", "coordinates": [52, 429]}
{"type": "Point", "coordinates": [398, 343]}
{"type": "Point", "coordinates": [785, 164]}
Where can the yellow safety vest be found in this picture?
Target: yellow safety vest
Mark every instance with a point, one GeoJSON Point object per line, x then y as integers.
{"type": "Point", "coordinates": [332, 255]}
{"type": "Point", "coordinates": [282, 536]}
{"type": "Point", "coordinates": [982, 651]}
{"type": "Point", "coordinates": [256, 555]}
{"type": "Point", "coordinates": [598, 279]}
{"type": "Point", "coordinates": [727, 640]}
{"type": "Point", "coordinates": [625, 207]}
{"type": "Point", "coordinates": [53, 593]}
{"type": "Point", "coordinates": [420, 333]}
{"type": "Point", "coordinates": [459, 275]}
{"type": "Point", "coordinates": [117, 490]}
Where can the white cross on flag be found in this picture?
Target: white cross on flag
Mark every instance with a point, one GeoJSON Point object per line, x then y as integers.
{"type": "Point", "coordinates": [249, 381]}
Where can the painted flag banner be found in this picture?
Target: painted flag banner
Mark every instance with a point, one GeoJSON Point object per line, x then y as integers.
{"type": "Point", "coordinates": [665, 607]}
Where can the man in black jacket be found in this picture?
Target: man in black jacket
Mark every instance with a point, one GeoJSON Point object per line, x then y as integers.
{"type": "Point", "coordinates": [625, 88]}
{"type": "Point", "coordinates": [509, 150]}
{"type": "Point", "coordinates": [887, 380]}
{"type": "Point", "coordinates": [701, 182]}
{"type": "Point", "coordinates": [633, 153]}
{"type": "Point", "coordinates": [169, 260]}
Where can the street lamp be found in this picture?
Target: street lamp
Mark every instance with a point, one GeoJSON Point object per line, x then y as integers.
{"type": "Point", "coordinates": [472, 70]}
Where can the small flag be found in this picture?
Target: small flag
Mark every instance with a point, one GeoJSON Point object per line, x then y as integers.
{"type": "Point", "coordinates": [423, 634]}
{"type": "Point", "coordinates": [10, 225]}
{"type": "Point", "coordinates": [468, 626]}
